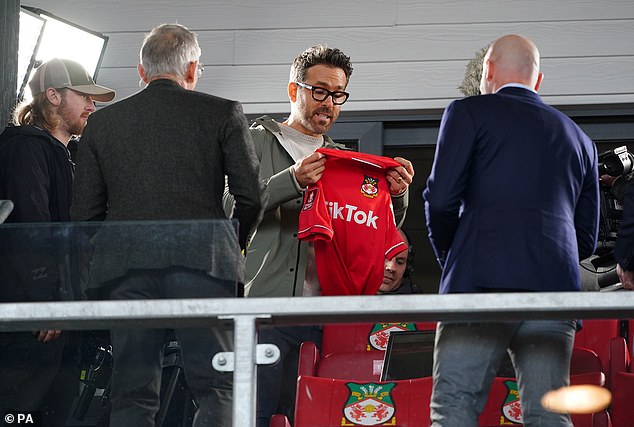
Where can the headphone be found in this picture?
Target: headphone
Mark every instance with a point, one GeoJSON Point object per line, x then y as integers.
{"type": "Point", "coordinates": [408, 275]}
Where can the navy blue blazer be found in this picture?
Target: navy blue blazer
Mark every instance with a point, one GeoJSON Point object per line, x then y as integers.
{"type": "Point", "coordinates": [512, 201]}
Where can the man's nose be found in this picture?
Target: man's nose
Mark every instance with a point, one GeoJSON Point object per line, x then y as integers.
{"type": "Point", "coordinates": [329, 101]}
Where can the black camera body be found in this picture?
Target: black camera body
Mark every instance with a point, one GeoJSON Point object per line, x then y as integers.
{"type": "Point", "coordinates": [616, 162]}
{"type": "Point", "coordinates": [619, 164]}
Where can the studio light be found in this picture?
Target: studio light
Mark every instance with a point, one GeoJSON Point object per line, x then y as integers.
{"type": "Point", "coordinates": [44, 36]}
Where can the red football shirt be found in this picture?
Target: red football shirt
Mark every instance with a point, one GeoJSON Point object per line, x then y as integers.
{"type": "Point", "coordinates": [349, 215]}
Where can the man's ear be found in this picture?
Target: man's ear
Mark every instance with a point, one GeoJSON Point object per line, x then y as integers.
{"type": "Point", "coordinates": [190, 73]}
{"type": "Point", "coordinates": [292, 91]}
{"type": "Point", "coordinates": [53, 96]}
{"type": "Point", "coordinates": [489, 70]}
{"type": "Point", "coordinates": [540, 79]}
{"type": "Point", "coordinates": [141, 71]}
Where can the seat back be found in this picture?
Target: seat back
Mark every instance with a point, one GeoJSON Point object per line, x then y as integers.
{"type": "Point", "coordinates": [335, 402]}
{"type": "Point", "coordinates": [329, 375]}
{"type": "Point", "coordinates": [596, 335]}
{"type": "Point", "coordinates": [364, 366]}
{"type": "Point", "coordinates": [503, 406]}
{"type": "Point", "coordinates": [360, 337]}
{"type": "Point", "coordinates": [357, 350]}
{"type": "Point", "coordinates": [586, 368]}
{"type": "Point", "coordinates": [621, 383]}
{"type": "Point", "coordinates": [359, 366]}
{"type": "Point", "coordinates": [584, 360]}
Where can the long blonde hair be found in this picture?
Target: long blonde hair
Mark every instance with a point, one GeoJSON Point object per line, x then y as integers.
{"type": "Point", "coordinates": [39, 112]}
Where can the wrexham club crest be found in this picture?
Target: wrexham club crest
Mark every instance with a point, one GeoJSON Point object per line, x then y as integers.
{"type": "Point", "coordinates": [511, 409]}
{"type": "Point", "coordinates": [380, 333]}
{"type": "Point", "coordinates": [370, 187]}
{"type": "Point", "coordinates": [369, 404]}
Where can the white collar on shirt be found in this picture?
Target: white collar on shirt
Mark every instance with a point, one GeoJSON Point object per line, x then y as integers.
{"type": "Point", "coordinates": [516, 85]}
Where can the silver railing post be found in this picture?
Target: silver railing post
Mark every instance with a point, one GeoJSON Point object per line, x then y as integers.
{"type": "Point", "coordinates": [244, 378]}
{"type": "Point", "coordinates": [243, 362]}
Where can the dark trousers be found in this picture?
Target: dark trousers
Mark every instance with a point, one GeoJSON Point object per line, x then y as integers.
{"type": "Point", "coordinates": [277, 384]}
{"type": "Point", "coordinates": [138, 353]}
{"type": "Point", "coordinates": [36, 376]}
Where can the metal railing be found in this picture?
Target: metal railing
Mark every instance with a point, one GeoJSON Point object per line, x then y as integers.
{"type": "Point", "coordinates": [246, 315]}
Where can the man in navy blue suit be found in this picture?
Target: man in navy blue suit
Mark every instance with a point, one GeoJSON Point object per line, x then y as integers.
{"type": "Point", "coordinates": [512, 204]}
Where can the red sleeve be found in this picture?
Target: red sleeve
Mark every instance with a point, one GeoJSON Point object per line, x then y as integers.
{"type": "Point", "coordinates": [314, 220]}
{"type": "Point", "coordinates": [394, 243]}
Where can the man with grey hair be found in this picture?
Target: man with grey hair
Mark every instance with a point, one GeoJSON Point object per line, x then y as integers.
{"type": "Point", "coordinates": [163, 154]}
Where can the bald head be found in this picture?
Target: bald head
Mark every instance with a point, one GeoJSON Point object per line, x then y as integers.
{"type": "Point", "coordinates": [510, 59]}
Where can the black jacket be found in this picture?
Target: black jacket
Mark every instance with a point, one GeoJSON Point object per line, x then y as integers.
{"type": "Point", "coordinates": [162, 155]}
{"type": "Point", "coordinates": [36, 173]}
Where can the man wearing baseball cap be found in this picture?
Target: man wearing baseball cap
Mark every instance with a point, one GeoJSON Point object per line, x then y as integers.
{"type": "Point", "coordinates": [36, 173]}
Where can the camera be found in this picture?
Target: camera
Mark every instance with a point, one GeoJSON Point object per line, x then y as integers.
{"type": "Point", "coordinates": [95, 380]}
{"type": "Point", "coordinates": [618, 164]}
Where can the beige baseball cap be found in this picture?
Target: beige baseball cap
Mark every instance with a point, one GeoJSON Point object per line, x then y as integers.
{"type": "Point", "coordinates": [64, 73]}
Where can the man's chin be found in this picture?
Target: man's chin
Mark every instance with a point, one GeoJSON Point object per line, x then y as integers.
{"type": "Point", "coordinates": [320, 129]}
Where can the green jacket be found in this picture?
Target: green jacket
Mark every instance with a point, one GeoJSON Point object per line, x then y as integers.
{"type": "Point", "coordinates": [276, 259]}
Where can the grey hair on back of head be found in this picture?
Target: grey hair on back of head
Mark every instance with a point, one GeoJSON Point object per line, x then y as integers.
{"type": "Point", "coordinates": [169, 49]}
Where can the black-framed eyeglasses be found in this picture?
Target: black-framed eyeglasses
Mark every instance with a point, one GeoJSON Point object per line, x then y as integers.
{"type": "Point", "coordinates": [320, 94]}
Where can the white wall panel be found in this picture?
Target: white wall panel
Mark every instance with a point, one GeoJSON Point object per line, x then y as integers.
{"type": "Point", "coordinates": [132, 15]}
{"type": "Point", "coordinates": [437, 42]}
{"type": "Point", "coordinates": [401, 85]}
{"type": "Point", "coordinates": [407, 54]}
{"type": "Point", "coordinates": [123, 48]}
{"type": "Point", "coordinates": [489, 11]}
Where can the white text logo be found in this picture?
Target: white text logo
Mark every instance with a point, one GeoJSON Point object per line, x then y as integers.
{"type": "Point", "coordinates": [352, 213]}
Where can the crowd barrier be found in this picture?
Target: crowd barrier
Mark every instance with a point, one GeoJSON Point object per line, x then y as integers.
{"type": "Point", "coordinates": [74, 255]}
{"type": "Point", "coordinates": [246, 315]}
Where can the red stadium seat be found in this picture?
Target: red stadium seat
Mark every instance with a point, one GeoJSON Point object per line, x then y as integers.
{"type": "Point", "coordinates": [278, 420]}
{"type": "Point", "coordinates": [621, 384]}
{"type": "Point", "coordinates": [335, 402]}
{"type": "Point", "coordinates": [503, 406]}
{"type": "Point", "coordinates": [357, 350]}
{"type": "Point", "coordinates": [596, 335]}
{"type": "Point", "coordinates": [327, 396]}
{"type": "Point", "coordinates": [359, 337]}
{"type": "Point", "coordinates": [350, 368]}
{"type": "Point", "coordinates": [586, 368]}
{"type": "Point", "coordinates": [364, 366]}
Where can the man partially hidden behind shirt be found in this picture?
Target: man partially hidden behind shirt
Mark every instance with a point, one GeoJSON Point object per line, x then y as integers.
{"type": "Point", "coordinates": [398, 272]}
